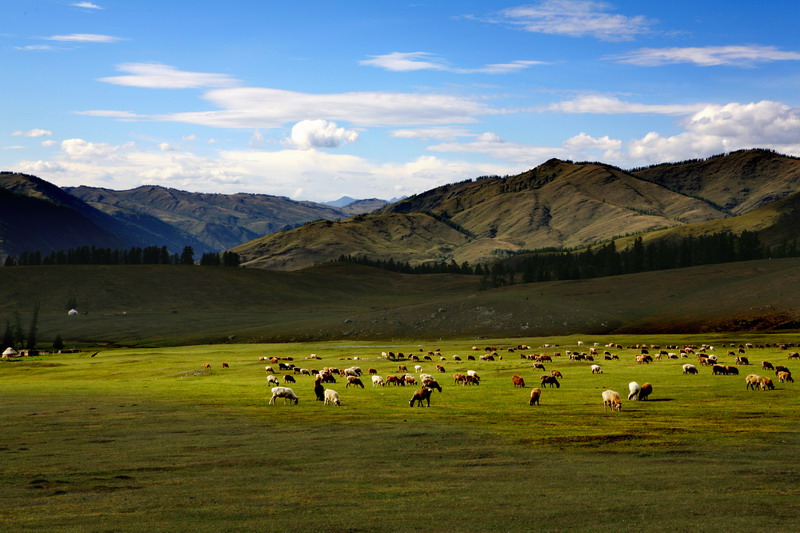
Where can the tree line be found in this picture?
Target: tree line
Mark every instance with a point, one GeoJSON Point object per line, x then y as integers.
{"type": "Point", "coordinates": [149, 255]}
{"type": "Point", "coordinates": [600, 261]}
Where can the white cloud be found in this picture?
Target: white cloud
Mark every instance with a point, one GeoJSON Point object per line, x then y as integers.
{"type": "Point", "coordinates": [79, 149]}
{"type": "Point", "coordinates": [738, 56]}
{"type": "Point", "coordinates": [441, 134]}
{"type": "Point", "coordinates": [308, 134]}
{"type": "Point", "coordinates": [86, 5]}
{"type": "Point", "coordinates": [35, 47]}
{"type": "Point", "coordinates": [574, 18]}
{"type": "Point", "coordinates": [110, 113]}
{"type": "Point", "coordinates": [410, 61]}
{"type": "Point", "coordinates": [167, 147]}
{"type": "Point", "coordinates": [405, 61]}
{"type": "Point", "coordinates": [32, 133]}
{"type": "Point", "coordinates": [609, 105]}
{"type": "Point", "coordinates": [159, 76]}
{"type": "Point", "coordinates": [14, 147]}
{"type": "Point", "coordinates": [493, 145]}
{"type": "Point", "coordinates": [722, 128]}
{"type": "Point", "coordinates": [85, 38]}
{"type": "Point", "coordinates": [248, 107]}
{"type": "Point", "coordinates": [48, 143]}
{"type": "Point", "coordinates": [583, 141]}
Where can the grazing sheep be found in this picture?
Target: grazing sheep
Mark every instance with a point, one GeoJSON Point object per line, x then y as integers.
{"type": "Point", "coordinates": [431, 384]}
{"type": "Point", "coordinates": [354, 381]}
{"type": "Point", "coordinates": [207, 366]}
{"type": "Point", "coordinates": [538, 366]}
{"type": "Point", "coordinates": [785, 377]}
{"type": "Point", "coordinates": [269, 370]}
{"type": "Point", "coordinates": [741, 360]}
{"type": "Point", "coordinates": [689, 369]}
{"type": "Point", "coordinates": [417, 368]}
{"type": "Point", "coordinates": [473, 374]}
{"type": "Point", "coordinates": [536, 393]}
{"type": "Point", "coordinates": [286, 393]}
{"type": "Point", "coordinates": [272, 380]}
{"type": "Point", "coordinates": [377, 381]}
{"type": "Point", "coordinates": [518, 381]}
{"type": "Point", "coordinates": [439, 368]}
{"type": "Point", "coordinates": [556, 374]}
{"type": "Point", "coordinates": [319, 390]}
{"type": "Point", "coordinates": [611, 401]}
{"type": "Point", "coordinates": [634, 389]}
{"type": "Point", "coordinates": [752, 381]}
{"type": "Point", "coordinates": [766, 365]}
{"type": "Point", "coordinates": [766, 384]}
{"type": "Point", "coordinates": [781, 368]}
{"type": "Point", "coordinates": [731, 370]}
{"type": "Point", "coordinates": [459, 378]}
{"type": "Point", "coordinates": [596, 369]}
{"type": "Point", "coordinates": [549, 380]}
{"type": "Point", "coordinates": [719, 370]}
{"type": "Point", "coordinates": [225, 365]}
{"type": "Point", "coordinates": [331, 398]}
{"type": "Point", "coordinates": [419, 395]}
{"type": "Point", "coordinates": [394, 380]}
{"type": "Point", "coordinates": [288, 378]}
{"type": "Point", "coordinates": [645, 391]}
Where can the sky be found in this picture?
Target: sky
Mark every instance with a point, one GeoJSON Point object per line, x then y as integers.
{"type": "Point", "coordinates": [315, 100]}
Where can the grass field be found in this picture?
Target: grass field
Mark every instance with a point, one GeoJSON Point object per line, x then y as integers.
{"type": "Point", "coordinates": [146, 439]}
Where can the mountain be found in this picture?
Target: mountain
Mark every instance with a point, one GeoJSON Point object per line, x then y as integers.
{"type": "Point", "coordinates": [207, 222]}
{"type": "Point", "coordinates": [560, 204]}
{"type": "Point", "coordinates": [737, 182]}
{"type": "Point", "coordinates": [35, 215]}
{"type": "Point", "coordinates": [341, 202]}
{"type": "Point", "coordinates": [368, 205]}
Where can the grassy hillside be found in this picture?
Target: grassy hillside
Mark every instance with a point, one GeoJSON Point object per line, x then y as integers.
{"type": "Point", "coordinates": [737, 182]}
{"type": "Point", "coordinates": [164, 305]}
{"type": "Point", "coordinates": [413, 236]}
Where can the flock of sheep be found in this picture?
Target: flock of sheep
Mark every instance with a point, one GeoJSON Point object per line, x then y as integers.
{"type": "Point", "coordinates": [611, 399]}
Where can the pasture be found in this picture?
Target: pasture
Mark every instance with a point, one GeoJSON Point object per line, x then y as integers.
{"type": "Point", "coordinates": [147, 439]}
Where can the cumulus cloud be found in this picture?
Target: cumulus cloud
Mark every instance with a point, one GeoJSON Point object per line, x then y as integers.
{"type": "Point", "coordinates": [84, 38]}
{"type": "Point", "coordinates": [410, 61]}
{"type": "Point", "coordinates": [721, 128]}
{"type": "Point", "coordinates": [706, 56]}
{"type": "Point", "coordinates": [574, 18]}
{"type": "Point", "coordinates": [159, 76]}
{"type": "Point", "coordinates": [32, 133]}
{"type": "Point", "coordinates": [308, 134]}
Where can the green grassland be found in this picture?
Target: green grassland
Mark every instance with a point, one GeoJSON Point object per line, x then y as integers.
{"type": "Point", "coordinates": [139, 439]}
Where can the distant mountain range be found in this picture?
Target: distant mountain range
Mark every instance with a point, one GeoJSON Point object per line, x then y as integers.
{"type": "Point", "coordinates": [559, 204]}
{"type": "Point", "coordinates": [39, 216]}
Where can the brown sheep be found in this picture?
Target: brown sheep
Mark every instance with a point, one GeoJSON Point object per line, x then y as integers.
{"type": "Point", "coordinates": [459, 378]}
{"type": "Point", "coordinates": [556, 374]}
{"type": "Point", "coordinates": [354, 381]}
{"type": "Point", "coordinates": [288, 378]}
{"type": "Point", "coordinates": [536, 393]}
{"type": "Point", "coordinates": [419, 395]}
{"type": "Point", "coordinates": [766, 384]}
{"type": "Point", "coordinates": [645, 391]}
{"type": "Point", "coordinates": [518, 381]}
{"type": "Point", "coordinates": [766, 365]}
{"type": "Point", "coordinates": [752, 381]}
{"type": "Point", "coordinates": [550, 380]}
{"type": "Point", "coordinates": [785, 377]}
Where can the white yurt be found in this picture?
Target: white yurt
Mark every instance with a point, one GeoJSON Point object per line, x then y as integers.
{"type": "Point", "coordinates": [72, 312]}
{"type": "Point", "coordinates": [9, 352]}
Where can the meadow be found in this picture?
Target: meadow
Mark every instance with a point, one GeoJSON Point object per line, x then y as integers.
{"type": "Point", "coordinates": [136, 439]}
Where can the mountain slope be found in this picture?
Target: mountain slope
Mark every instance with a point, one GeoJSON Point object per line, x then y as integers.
{"type": "Point", "coordinates": [737, 182]}
{"type": "Point", "coordinates": [38, 216]}
{"type": "Point", "coordinates": [208, 222]}
{"type": "Point", "coordinates": [385, 236]}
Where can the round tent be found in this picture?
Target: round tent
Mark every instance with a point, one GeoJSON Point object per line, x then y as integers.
{"type": "Point", "coordinates": [72, 312]}
{"type": "Point", "coordinates": [9, 352]}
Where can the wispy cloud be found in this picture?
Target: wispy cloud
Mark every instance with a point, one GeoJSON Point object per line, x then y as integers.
{"type": "Point", "coordinates": [32, 133]}
{"type": "Point", "coordinates": [411, 61]}
{"type": "Point", "coordinates": [574, 18]}
{"type": "Point", "coordinates": [706, 56]}
{"type": "Point", "coordinates": [86, 5]}
{"type": "Point", "coordinates": [84, 38]}
{"type": "Point", "coordinates": [158, 76]}
{"type": "Point", "coordinates": [609, 105]}
{"type": "Point", "coordinates": [34, 47]}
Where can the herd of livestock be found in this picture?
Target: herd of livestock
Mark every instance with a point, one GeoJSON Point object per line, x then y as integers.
{"type": "Point", "coordinates": [594, 355]}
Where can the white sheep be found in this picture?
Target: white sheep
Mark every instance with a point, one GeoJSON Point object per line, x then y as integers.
{"type": "Point", "coordinates": [331, 397]}
{"type": "Point", "coordinates": [283, 392]}
{"type": "Point", "coordinates": [417, 368]}
{"type": "Point", "coordinates": [377, 381]}
{"type": "Point", "coordinates": [689, 369]}
{"type": "Point", "coordinates": [612, 401]}
{"type": "Point", "coordinates": [596, 369]}
{"type": "Point", "coordinates": [635, 389]}
{"type": "Point", "coordinates": [272, 379]}
{"type": "Point", "coordinates": [473, 374]}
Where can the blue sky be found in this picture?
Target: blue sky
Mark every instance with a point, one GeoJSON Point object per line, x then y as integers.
{"type": "Point", "coordinates": [315, 100]}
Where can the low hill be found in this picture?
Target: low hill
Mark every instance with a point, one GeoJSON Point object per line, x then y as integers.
{"type": "Point", "coordinates": [207, 222]}
{"type": "Point", "coordinates": [185, 304]}
{"type": "Point", "coordinates": [387, 236]}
